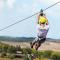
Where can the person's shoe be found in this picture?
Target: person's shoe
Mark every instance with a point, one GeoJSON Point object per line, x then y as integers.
{"type": "Point", "coordinates": [31, 44]}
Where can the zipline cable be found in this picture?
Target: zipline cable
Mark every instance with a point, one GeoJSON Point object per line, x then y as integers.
{"type": "Point", "coordinates": [51, 5]}
{"type": "Point", "coordinates": [28, 17]}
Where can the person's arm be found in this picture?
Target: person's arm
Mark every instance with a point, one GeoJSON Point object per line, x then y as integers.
{"type": "Point", "coordinates": [46, 20]}
{"type": "Point", "coordinates": [38, 19]}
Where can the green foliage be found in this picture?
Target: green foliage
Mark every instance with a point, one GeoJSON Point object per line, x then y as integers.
{"type": "Point", "coordinates": [11, 49]}
{"type": "Point", "coordinates": [34, 52]}
{"type": "Point", "coordinates": [4, 47]}
{"type": "Point", "coordinates": [26, 57]}
{"type": "Point", "coordinates": [11, 56]}
{"type": "Point", "coordinates": [55, 56]}
{"type": "Point", "coordinates": [3, 54]}
{"type": "Point", "coordinates": [47, 54]}
{"type": "Point", "coordinates": [26, 50]}
{"type": "Point", "coordinates": [18, 48]}
{"type": "Point", "coordinates": [40, 55]}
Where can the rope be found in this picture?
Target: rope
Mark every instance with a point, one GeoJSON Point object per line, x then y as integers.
{"type": "Point", "coordinates": [52, 5]}
{"type": "Point", "coordinates": [28, 17]}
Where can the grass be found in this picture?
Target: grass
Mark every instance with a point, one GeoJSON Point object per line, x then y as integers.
{"type": "Point", "coordinates": [11, 59]}
{"type": "Point", "coordinates": [8, 52]}
{"type": "Point", "coordinates": [41, 59]}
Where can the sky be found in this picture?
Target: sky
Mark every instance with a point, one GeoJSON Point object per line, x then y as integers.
{"type": "Point", "coordinates": [12, 11]}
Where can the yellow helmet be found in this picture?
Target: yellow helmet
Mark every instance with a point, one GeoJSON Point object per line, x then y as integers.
{"type": "Point", "coordinates": [42, 19]}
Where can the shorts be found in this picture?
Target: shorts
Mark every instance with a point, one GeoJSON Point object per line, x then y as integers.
{"type": "Point", "coordinates": [42, 40]}
{"type": "Point", "coordinates": [39, 40]}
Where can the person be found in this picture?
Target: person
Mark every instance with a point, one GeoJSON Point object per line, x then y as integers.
{"type": "Point", "coordinates": [42, 30]}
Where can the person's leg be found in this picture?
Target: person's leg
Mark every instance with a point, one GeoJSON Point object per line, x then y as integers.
{"type": "Point", "coordinates": [39, 42]}
{"type": "Point", "coordinates": [37, 45]}
{"type": "Point", "coordinates": [33, 43]}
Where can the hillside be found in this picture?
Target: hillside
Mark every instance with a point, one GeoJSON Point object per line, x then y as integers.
{"type": "Point", "coordinates": [16, 39]}
{"type": "Point", "coordinates": [24, 39]}
{"type": "Point", "coordinates": [50, 44]}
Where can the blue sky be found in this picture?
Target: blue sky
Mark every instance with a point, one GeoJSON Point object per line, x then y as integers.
{"type": "Point", "coordinates": [14, 10]}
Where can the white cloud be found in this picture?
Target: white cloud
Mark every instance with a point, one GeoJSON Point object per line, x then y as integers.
{"type": "Point", "coordinates": [35, 7]}
{"type": "Point", "coordinates": [48, 1]}
{"type": "Point", "coordinates": [10, 3]}
{"type": "Point", "coordinates": [44, 2]}
{"type": "Point", "coordinates": [22, 8]}
{"type": "Point", "coordinates": [1, 4]}
{"type": "Point", "coordinates": [38, 4]}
